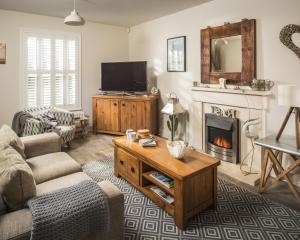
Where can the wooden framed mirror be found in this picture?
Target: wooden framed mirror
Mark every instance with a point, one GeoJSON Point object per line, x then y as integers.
{"type": "Point", "coordinates": [229, 51]}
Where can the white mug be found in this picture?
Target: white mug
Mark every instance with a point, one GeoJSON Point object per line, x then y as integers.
{"type": "Point", "coordinates": [131, 136]}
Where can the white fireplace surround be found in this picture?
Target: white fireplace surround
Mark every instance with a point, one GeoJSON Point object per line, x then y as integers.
{"type": "Point", "coordinates": [248, 105]}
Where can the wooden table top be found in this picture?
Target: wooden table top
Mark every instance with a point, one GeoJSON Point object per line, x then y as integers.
{"type": "Point", "coordinates": [159, 156]}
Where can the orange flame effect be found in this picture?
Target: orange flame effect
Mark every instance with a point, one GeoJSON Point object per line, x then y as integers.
{"type": "Point", "coordinates": [221, 142]}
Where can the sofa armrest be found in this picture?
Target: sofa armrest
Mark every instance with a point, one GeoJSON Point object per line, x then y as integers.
{"type": "Point", "coordinates": [16, 225]}
{"type": "Point", "coordinates": [116, 212]}
{"type": "Point", "coordinates": [41, 144]}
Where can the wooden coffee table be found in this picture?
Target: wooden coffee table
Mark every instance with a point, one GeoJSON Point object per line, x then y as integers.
{"type": "Point", "coordinates": [195, 177]}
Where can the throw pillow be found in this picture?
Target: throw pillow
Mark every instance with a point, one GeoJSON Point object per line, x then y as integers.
{"type": "Point", "coordinates": [16, 179]}
{"type": "Point", "coordinates": [9, 137]}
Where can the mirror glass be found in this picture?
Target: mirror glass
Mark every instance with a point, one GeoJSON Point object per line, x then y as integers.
{"type": "Point", "coordinates": [226, 54]}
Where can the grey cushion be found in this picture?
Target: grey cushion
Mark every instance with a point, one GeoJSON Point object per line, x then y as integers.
{"type": "Point", "coordinates": [53, 165]}
{"type": "Point", "coordinates": [16, 179]}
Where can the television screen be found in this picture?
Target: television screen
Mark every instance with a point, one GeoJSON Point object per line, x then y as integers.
{"type": "Point", "coordinates": [124, 76]}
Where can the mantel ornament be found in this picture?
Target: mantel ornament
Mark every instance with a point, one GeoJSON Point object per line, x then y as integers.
{"type": "Point", "coordinates": [230, 113]}
{"type": "Point", "coordinates": [286, 37]}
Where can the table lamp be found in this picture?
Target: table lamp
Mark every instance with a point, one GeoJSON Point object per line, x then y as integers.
{"type": "Point", "coordinates": [172, 108]}
{"type": "Point", "coordinates": [289, 95]}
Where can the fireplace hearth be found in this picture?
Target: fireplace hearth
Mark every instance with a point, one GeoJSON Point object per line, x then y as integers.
{"type": "Point", "coordinates": [222, 137]}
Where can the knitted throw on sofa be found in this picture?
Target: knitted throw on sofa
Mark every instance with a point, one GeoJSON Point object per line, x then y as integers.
{"type": "Point", "coordinates": [69, 213]}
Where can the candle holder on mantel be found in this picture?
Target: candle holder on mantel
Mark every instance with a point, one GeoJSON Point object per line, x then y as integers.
{"type": "Point", "coordinates": [289, 95]}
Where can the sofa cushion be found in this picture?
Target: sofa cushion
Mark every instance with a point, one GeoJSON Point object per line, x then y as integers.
{"type": "Point", "coordinates": [9, 137]}
{"type": "Point", "coordinates": [53, 165]}
{"type": "Point", "coordinates": [16, 179]}
{"type": "Point", "coordinates": [62, 182]}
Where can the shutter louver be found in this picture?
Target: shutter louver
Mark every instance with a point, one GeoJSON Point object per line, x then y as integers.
{"type": "Point", "coordinates": [51, 71]}
{"type": "Point", "coordinates": [59, 89]}
{"type": "Point", "coordinates": [31, 90]}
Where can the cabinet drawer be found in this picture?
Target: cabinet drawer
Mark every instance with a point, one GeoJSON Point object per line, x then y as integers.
{"type": "Point", "coordinates": [129, 165]}
{"type": "Point", "coordinates": [133, 170]}
{"type": "Point", "coordinates": [122, 162]}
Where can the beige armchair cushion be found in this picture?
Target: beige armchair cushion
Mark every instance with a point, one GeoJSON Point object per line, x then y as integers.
{"type": "Point", "coordinates": [9, 137]}
{"type": "Point", "coordinates": [16, 179]}
{"type": "Point", "coordinates": [53, 165]}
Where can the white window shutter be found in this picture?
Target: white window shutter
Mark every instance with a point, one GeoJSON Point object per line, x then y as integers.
{"type": "Point", "coordinates": [51, 69]}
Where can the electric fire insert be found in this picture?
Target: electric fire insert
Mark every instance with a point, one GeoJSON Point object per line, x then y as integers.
{"type": "Point", "coordinates": [222, 135]}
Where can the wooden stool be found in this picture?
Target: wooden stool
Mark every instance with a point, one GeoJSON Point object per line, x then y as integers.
{"type": "Point", "coordinates": [272, 152]}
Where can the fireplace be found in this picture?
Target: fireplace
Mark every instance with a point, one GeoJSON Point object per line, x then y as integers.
{"type": "Point", "coordinates": [222, 137]}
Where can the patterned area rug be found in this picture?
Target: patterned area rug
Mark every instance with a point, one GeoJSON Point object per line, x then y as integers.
{"type": "Point", "coordinates": [240, 214]}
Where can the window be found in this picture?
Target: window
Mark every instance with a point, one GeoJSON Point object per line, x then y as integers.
{"type": "Point", "coordinates": [51, 69]}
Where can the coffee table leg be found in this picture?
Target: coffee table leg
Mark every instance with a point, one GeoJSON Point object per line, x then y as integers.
{"type": "Point", "coordinates": [180, 220]}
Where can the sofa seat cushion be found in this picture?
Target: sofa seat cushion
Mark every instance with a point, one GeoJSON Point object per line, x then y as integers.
{"type": "Point", "coordinates": [16, 225]}
{"type": "Point", "coordinates": [53, 165]}
{"type": "Point", "coordinates": [62, 182]}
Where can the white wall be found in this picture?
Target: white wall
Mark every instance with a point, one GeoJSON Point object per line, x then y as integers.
{"type": "Point", "coordinates": [274, 61]}
{"type": "Point", "coordinates": [99, 43]}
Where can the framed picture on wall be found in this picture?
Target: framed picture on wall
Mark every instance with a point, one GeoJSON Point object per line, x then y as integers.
{"type": "Point", "coordinates": [2, 53]}
{"type": "Point", "coordinates": [176, 54]}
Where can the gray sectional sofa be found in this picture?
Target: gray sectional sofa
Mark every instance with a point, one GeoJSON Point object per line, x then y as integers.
{"type": "Point", "coordinates": [53, 170]}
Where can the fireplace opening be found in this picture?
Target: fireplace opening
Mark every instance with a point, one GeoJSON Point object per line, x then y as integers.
{"type": "Point", "coordinates": [222, 137]}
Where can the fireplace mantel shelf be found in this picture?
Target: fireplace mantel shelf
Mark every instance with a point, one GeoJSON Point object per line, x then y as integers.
{"type": "Point", "coordinates": [233, 91]}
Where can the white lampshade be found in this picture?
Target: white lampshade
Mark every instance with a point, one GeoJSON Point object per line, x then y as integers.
{"type": "Point", "coordinates": [173, 106]}
{"type": "Point", "coordinates": [289, 95]}
{"type": "Point", "coordinates": [74, 19]}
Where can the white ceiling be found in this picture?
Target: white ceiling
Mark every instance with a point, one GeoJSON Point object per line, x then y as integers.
{"type": "Point", "coordinates": [116, 12]}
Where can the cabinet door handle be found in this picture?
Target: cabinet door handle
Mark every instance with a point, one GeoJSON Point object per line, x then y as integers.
{"type": "Point", "coordinates": [122, 162]}
{"type": "Point", "coordinates": [132, 170]}
{"type": "Point", "coordinates": [123, 104]}
{"type": "Point", "coordinates": [115, 104]}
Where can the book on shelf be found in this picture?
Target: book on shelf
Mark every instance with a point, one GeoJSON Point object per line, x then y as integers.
{"type": "Point", "coordinates": [168, 198]}
{"type": "Point", "coordinates": [163, 179]}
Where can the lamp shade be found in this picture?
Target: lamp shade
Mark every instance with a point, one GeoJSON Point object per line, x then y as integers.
{"type": "Point", "coordinates": [289, 95]}
{"type": "Point", "coordinates": [173, 106]}
{"type": "Point", "coordinates": [74, 19]}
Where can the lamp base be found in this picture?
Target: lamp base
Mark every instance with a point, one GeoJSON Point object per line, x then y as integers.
{"type": "Point", "coordinates": [297, 124]}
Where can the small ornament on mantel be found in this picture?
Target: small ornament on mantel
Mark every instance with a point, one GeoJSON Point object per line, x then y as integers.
{"type": "Point", "coordinates": [222, 82]}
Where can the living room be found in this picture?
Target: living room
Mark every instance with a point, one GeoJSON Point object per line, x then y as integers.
{"type": "Point", "coordinates": [80, 119]}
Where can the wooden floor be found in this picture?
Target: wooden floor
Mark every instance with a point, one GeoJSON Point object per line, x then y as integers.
{"type": "Point", "coordinates": [94, 147]}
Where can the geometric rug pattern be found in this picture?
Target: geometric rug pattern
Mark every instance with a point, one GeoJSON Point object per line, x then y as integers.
{"type": "Point", "coordinates": [240, 214]}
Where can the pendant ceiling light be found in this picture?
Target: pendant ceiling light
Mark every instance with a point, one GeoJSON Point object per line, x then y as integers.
{"type": "Point", "coordinates": [74, 19]}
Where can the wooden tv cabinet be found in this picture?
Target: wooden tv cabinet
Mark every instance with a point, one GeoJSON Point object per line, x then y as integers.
{"type": "Point", "coordinates": [195, 177]}
{"type": "Point", "coordinates": [114, 114]}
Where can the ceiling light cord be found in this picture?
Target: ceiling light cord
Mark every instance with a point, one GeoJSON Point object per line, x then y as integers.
{"type": "Point", "coordinates": [74, 4]}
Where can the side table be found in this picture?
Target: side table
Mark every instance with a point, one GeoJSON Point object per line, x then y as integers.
{"type": "Point", "coordinates": [272, 152]}
{"type": "Point", "coordinates": [82, 126]}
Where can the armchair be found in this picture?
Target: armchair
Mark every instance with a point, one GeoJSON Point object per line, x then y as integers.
{"type": "Point", "coordinates": [65, 123]}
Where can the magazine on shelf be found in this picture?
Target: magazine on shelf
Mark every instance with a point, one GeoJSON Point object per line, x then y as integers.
{"type": "Point", "coordinates": [168, 198]}
{"type": "Point", "coordinates": [163, 179]}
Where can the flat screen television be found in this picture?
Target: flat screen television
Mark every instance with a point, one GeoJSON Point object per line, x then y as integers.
{"type": "Point", "coordinates": [124, 76]}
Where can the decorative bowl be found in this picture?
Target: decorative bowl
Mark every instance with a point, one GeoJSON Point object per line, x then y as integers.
{"type": "Point", "coordinates": [176, 148]}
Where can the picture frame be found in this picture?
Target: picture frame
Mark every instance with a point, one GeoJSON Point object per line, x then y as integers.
{"type": "Point", "coordinates": [176, 54]}
{"type": "Point", "coordinates": [2, 53]}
